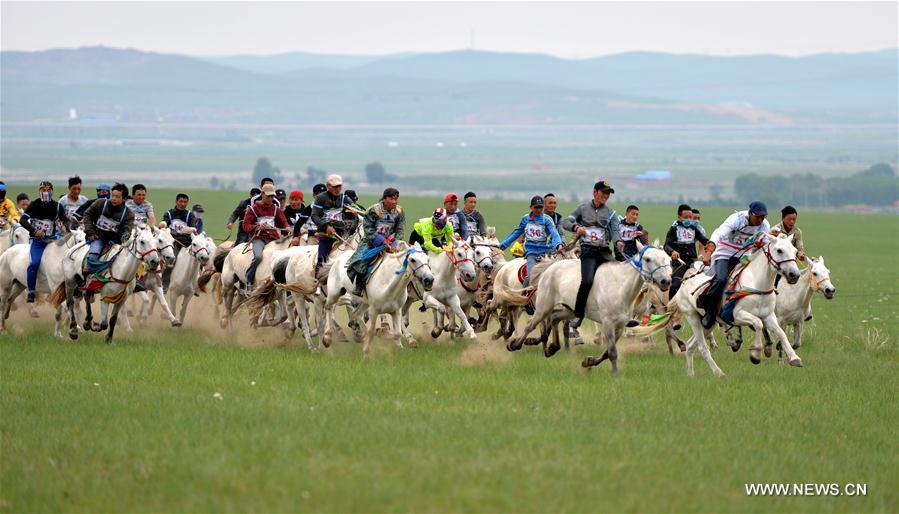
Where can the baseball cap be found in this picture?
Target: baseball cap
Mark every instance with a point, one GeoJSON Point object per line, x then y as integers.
{"type": "Point", "coordinates": [451, 197]}
{"type": "Point", "coordinates": [280, 193]}
{"type": "Point", "coordinates": [334, 180]}
{"type": "Point", "coordinates": [537, 201]}
{"type": "Point", "coordinates": [198, 208]}
{"type": "Point", "coordinates": [268, 190]}
{"type": "Point", "coordinates": [296, 193]}
{"type": "Point", "coordinates": [603, 186]}
{"type": "Point", "coordinates": [758, 208]}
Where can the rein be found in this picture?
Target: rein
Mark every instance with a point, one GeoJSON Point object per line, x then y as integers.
{"type": "Point", "coordinates": [409, 252]}
{"type": "Point", "coordinates": [637, 263]}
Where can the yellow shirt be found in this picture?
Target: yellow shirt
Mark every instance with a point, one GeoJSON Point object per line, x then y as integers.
{"type": "Point", "coordinates": [8, 212]}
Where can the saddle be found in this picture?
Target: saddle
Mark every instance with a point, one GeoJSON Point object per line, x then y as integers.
{"type": "Point", "coordinates": [523, 272]}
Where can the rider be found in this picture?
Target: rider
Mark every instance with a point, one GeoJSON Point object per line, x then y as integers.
{"type": "Point", "coordinates": [540, 236]}
{"type": "Point", "coordinates": [432, 233]}
{"type": "Point", "coordinates": [261, 220]}
{"type": "Point", "coordinates": [107, 221]}
{"type": "Point", "coordinates": [549, 208]}
{"type": "Point", "coordinates": [43, 220]}
{"type": "Point", "coordinates": [475, 225]}
{"type": "Point", "coordinates": [788, 227]}
{"type": "Point", "coordinates": [74, 199]}
{"type": "Point", "coordinates": [22, 202]}
{"type": "Point", "coordinates": [197, 210]}
{"type": "Point", "coordinates": [330, 215]}
{"type": "Point", "coordinates": [597, 226]}
{"type": "Point", "coordinates": [294, 210]}
{"type": "Point", "coordinates": [697, 218]}
{"type": "Point", "coordinates": [102, 194]}
{"type": "Point", "coordinates": [140, 206]}
{"type": "Point", "coordinates": [454, 216]}
{"type": "Point", "coordinates": [304, 219]}
{"type": "Point", "coordinates": [8, 211]}
{"type": "Point", "coordinates": [178, 218]}
{"type": "Point", "coordinates": [680, 244]}
{"type": "Point", "coordinates": [354, 199]}
{"type": "Point", "coordinates": [239, 213]}
{"type": "Point", "coordinates": [630, 232]}
{"type": "Point", "coordinates": [383, 227]}
{"type": "Point", "coordinates": [736, 234]}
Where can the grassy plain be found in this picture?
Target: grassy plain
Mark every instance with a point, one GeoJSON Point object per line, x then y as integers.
{"type": "Point", "coordinates": [138, 426]}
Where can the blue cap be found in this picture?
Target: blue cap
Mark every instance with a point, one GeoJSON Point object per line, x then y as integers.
{"type": "Point", "coordinates": [758, 208]}
{"type": "Point", "coordinates": [104, 186]}
{"type": "Point", "coordinates": [2, 187]}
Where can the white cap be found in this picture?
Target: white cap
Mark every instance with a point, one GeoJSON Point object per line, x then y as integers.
{"type": "Point", "coordinates": [334, 180]}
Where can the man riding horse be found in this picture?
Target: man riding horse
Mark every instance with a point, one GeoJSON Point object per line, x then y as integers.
{"type": "Point", "coordinates": [383, 227]}
{"type": "Point", "coordinates": [262, 220]}
{"type": "Point", "coordinates": [330, 215]}
{"type": "Point", "coordinates": [540, 236]}
{"type": "Point", "coordinates": [42, 220]}
{"type": "Point", "coordinates": [106, 222]}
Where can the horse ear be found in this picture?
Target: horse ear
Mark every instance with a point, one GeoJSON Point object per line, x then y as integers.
{"type": "Point", "coordinates": [656, 242]}
{"type": "Point", "coordinates": [491, 232]}
{"type": "Point", "coordinates": [790, 237]}
{"type": "Point", "coordinates": [821, 259]}
{"type": "Point", "coordinates": [639, 245]}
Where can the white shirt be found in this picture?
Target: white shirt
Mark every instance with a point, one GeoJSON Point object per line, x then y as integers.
{"type": "Point", "coordinates": [70, 205]}
{"type": "Point", "coordinates": [734, 234]}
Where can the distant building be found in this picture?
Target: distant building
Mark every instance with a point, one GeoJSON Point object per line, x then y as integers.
{"type": "Point", "coordinates": [73, 114]}
{"type": "Point", "coordinates": [655, 175]}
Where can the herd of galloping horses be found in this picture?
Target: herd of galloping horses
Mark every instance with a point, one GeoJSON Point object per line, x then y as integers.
{"type": "Point", "coordinates": [466, 286]}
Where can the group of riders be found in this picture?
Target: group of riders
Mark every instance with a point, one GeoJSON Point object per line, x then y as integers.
{"type": "Point", "coordinates": [269, 214]}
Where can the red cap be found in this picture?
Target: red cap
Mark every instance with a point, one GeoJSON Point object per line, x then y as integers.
{"type": "Point", "coordinates": [451, 197]}
{"type": "Point", "coordinates": [296, 193]}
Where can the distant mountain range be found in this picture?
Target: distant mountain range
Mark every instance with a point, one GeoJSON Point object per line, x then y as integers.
{"type": "Point", "coordinates": [463, 87]}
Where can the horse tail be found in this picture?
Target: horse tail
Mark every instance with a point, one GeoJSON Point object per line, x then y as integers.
{"type": "Point", "coordinates": [58, 296]}
{"type": "Point", "coordinates": [204, 279]}
{"type": "Point", "coordinates": [512, 296]}
{"type": "Point", "coordinates": [217, 289]}
{"type": "Point", "coordinates": [647, 330]}
{"type": "Point", "coordinates": [218, 261]}
{"type": "Point", "coordinates": [261, 297]}
{"type": "Point", "coordinates": [279, 270]}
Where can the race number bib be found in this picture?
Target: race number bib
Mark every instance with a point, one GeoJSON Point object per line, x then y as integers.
{"type": "Point", "coordinates": [535, 232]}
{"type": "Point", "coordinates": [628, 232]}
{"type": "Point", "coordinates": [266, 221]}
{"type": "Point", "coordinates": [595, 234]}
{"type": "Point", "coordinates": [333, 214]}
{"type": "Point", "coordinates": [384, 228]}
{"type": "Point", "coordinates": [453, 220]}
{"type": "Point", "coordinates": [740, 238]}
{"type": "Point", "coordinates": [472, 227]}
{"type": "Point", "coordinates": [46, 226]}
{"type": "Point", "coordinates": [70, 210]}
{"type": "Point", "coordinates": [685, 235]}
{"type": "Point", "coordinates": [107, 225]}
{"type": "Point", "coordinates": [177, 225]}
{"type": "Point", "coordinates": [139, 217]}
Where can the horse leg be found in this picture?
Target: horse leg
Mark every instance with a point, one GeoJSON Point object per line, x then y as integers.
{"type": "Point", "coordinates": [771, 324]}
{"type": "Point", "coordinates": [166, 311]}
{"type": "Point", "coordinates": [516, 343]}
{"type": "Point", "coordinates": [303, 318]}
{"type": "Point", "coordinates": [438, 324]}
{"type": "Point", "coordinates": [104, 317]}
{"type": "Point", "coordinates": [88, 314]}
{"type": "Point", "coordinates": [797, 334]}
{"type": "Point", "coordinates": [463, 318]}
{"type": "Point", "coordinates": [112, 321]}
{"type": "Point", "coordinates": [369, 332]}
{"type": "Point", "coordinates": [70, 305]}
{"type": "Point", "coordinates": [745, 318]}
{"type": "Point", "coordinates": [185, 301]}
{"type": "Point", "coordinates": [400, 325]}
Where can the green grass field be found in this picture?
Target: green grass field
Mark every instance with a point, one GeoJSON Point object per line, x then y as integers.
{"type": "Point", "coordinates": [466, 427]}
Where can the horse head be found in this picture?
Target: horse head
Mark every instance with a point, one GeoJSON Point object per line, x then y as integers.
{"type": "Point", "coordinates": [781, 254]}
{"type": "Point", "coordinates": [653, 264]}
{"type": "Point", "coordinates": [78, 237]}
{"type": "Point", "coordinates": [199, 248]}
{"type": "Point", "coordinates": [461, 256]}
{"type": "Point", "coordinates": [19, 235]}
{"type": "Point", "coordinates": [165, 243]}
{"type": "Point", "coordinates": [144, 246]}
{"type": "Point", "coordinates": [483, 253]}
{"type": "Point", "coordinates": [820, 277]}
{"type": "Point", "coordinates": [417, 260]}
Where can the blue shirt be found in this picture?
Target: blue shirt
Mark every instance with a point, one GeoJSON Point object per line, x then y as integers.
{"type": "Point", "coordinates": [540, 234]}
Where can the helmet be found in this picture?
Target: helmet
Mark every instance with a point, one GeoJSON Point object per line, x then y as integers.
{"type": "Point", "coordinates": [439, 217]}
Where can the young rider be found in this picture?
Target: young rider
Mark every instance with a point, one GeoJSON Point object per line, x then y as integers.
{"type": "Point", "coordinates": [680, 244]}
{"type": "Point", "coordinates": [432, 233]}
{"type": "Point", "coordinates": [382, 226]}
{"type": "Point", "coordinates": [140, 206]}
{"type": "Point", "coordinates": [474, 221]}
{"type": "Point", "coordinates": [631, 231]}
{"type": "Point", "coordinates": [73, 199]}
{"type": "Point", "coordinates": [107, 221]}
{"type": "Point", "coordinates": [8, 211]}
{"type": "Point", "coordinates": [540, 236]}
{"type": "Point", "coordinates": [454, 216]}
{"type": "Point", "coordinates": [261, 221]}
{"type": "Point", "coordinates": [43, 220]}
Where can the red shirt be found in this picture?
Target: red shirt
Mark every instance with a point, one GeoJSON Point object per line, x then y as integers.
{"type": "Point", "coordinates": [260, 215]}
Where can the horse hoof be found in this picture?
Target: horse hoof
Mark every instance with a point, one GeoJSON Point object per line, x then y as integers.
{"type": "Point", "coordinates": [676, 327]}
{"type": "Point", "coordinates": [513, 345]}
{"type": "Point", "coordinates": [73, 335]}
{"type": "Point", "coordinates": [176, 323]}
{"type": "Point", "coordinates": [681, 346]}
{"type": "Point", "coordinates": [735, 347]}
{"type": "Point", "coordinates": [768, 350]}
{"type": "Point", "coordinates": [587, 362]}
{"type": "Point", "coordinates": [551, 350]}
{"type": "Point", "coordinates": [795, 346]}
{"type": "Point", "coordinates": [412, 343]}
{"type": "Point", "coordinates": [718, 373]}
{"type": "Point", "coordinates": [103, 327]}
{"type": "Point", "coordinates": [632, 323]}
{"type": "Point", "coordinates": [796, 363]}
{"type": "Point", "coordinates": [87, 327]}
{"type": "Point", "coordinates": [435, 333]}
{"type": "Point", "coordinates": [423, 308]}
{"type": "Point", "coordinates": [755, 360]}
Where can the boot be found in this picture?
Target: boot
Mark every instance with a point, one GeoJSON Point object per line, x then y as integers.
{"type": "Point", "coordinates": [361, 280]}
{"type": "Point", "coordinates": [30, 297]}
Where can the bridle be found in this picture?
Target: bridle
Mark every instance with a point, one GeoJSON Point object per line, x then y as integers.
{"type": "Point", "coordinates": [484, 258]}
{"type": "Point", "coordinates": [774, 262]}
{"type": "Point", "coordinates": [452, 256]}
{"type": "Point", "coordinates": [414, 269]}
{"type": "Point", "coordinates": [637, 263]}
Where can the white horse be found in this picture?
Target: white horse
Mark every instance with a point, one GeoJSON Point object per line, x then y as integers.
{"type": "Point", "coordinates": [183, 283]}
{"type": "Point", "coordinates": [610, 302]}
{"type": "Point", "coordinates": [234, 272]}
{"type": "Point", "coordinates": [756, 310]}
{"type": "Point", "coordinates": [14, 235]}
{"type": "Point", "coordinates": [14, 270]}
{"type": "Point", "coordinates": [387, 290]}
{"type": "Point", "coordinates": [473, 291]}
{"type": "Point", "coordinates": [442, 296]}
{"type": "Point", "coordinates": [124, 262]}
{"type": "Point", "coordinates": [794, 301]}
{"type": "Point", "coordinates": [165, 243]}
